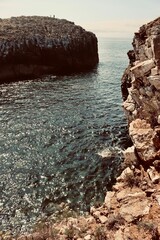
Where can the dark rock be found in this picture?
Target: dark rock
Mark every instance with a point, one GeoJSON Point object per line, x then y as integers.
{"type": "Point", "coordinates": [32, 46]}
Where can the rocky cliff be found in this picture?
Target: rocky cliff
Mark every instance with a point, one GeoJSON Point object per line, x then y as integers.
{"type": "Point", "coordinates": [32, 46]}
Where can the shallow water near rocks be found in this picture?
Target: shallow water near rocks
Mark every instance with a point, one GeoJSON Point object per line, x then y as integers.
{"type": "Point", "coordinates": [61, 139]}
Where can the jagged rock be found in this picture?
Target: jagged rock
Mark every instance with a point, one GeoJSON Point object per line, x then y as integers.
{"type": "Point", "coordinates": [154, 175]}
{"type": "Point", "coordinates": [119, 235]}
{"type": "Point", "coordinates": [142, 136]}
{"type": "Point", "coordinates": [97, 214]}
{"type": "Point", "coordinates": [127, 194]}
{"type": "Point", "coordinates": [142, 68]}
{"type": "Point", "coordinates": [108, 199]}
{"type": "Point", "coordinates": [103, 219]}
{"type": "Point", "coordinates": [158, 199]}
{"type": "Point", "coordinates": [134, 209]}
{"type": "Point", "coordinates": [155, 81]}
{"type": "Point", "coordinates": [118, 186]}
{"type": "Point", "coordinates": [88, 237]}
{"type": "Point", "coordinates": [32, 46]}
{"type": "Point", "coordinates": [127, 171]}
{"type": "Point", "coordinates": [130, 157]}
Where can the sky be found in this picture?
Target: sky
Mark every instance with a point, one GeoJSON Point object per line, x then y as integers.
{"type": "Point", "coordinates": [110, 18]}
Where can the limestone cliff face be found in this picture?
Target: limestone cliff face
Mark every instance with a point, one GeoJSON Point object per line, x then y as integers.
{"type": "Point", "coordinates": [141, 91]}
{"type": "Point", "coordinates": [32, 46]}
{"type": "Point", "coordinates": [141, 80]}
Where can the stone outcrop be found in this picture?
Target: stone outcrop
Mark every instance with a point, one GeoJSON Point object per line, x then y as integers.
{"type": "Point", "coordinates": [141, 80]}
{"type": "Point", "coordinates": [141, 91]}
{"type": "Point", "coordinates": [32, 46]}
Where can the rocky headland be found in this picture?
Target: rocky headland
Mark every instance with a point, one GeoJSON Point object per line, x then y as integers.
{"type": "Point", "coordinates": [131, 211]}
{"type": "Point", "coordinates": [33, 46]}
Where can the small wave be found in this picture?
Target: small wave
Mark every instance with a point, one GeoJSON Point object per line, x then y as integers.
{"type": "Point", "coordinates": [110, 152]}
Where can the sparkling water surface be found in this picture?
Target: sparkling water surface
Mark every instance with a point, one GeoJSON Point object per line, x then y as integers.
{"type": "Point", "coordinates": [53, 132]}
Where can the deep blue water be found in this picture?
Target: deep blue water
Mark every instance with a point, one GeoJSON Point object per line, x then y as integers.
{"type": "Point", "coordinates": [52, 133]}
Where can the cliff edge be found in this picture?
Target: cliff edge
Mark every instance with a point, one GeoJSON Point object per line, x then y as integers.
{"type": "Point", "coordinates": [32, 46]}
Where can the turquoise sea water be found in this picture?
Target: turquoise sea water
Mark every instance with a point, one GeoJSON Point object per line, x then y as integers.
{"type": "Point", "coordinates": [52, 133]}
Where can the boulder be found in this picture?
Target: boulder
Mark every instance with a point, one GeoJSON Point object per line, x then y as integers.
{"type": "Point", "coordinates": [142, 68]}
{"type": "Point", "coordinates": [142, 136]}
{"type": "Point", "coordinates": [134, 209]}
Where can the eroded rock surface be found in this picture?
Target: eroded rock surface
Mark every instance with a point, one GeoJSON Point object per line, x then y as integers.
{"type": "Point", "coordinates": [141, 80]}
{"type": "Point", "coordinates": [32, 46]}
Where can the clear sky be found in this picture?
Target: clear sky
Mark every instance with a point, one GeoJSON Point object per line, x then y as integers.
{"type": "Point", "coordinates": [112, 18]}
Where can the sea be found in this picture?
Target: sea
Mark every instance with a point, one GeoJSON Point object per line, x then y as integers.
{"type": "Point", "coordinates": [61, 139]}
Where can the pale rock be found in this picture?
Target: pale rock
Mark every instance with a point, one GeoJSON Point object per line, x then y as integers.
{"type": "Point", "coordinates": [118, 186]}
{"type": "Point", "coordinates": [130, 194]}
{"type": "Point", "coordinates": [133, 78]}
{"type": "Point", "coordinates": [119, 235]}
{"type": "Point", "coordinates": [154, 71]}
{"type": "Point", "coordinates": [96, 214]}
{"type": "Point", "coordinates": [127, 171]}
{"type": "Point", "coordinates": [142, 91]}
{"type": "Point", "coordinates": [142, 134]}
{"type": "Point", "coordinates": [108, 199]}
{"type": "Point", "coordinates": [90, 220]}
{"type": "Point", "coordinates": [153, 174]}
{"type": "Point", "coordinates": [148, 42]}
{"type": "Point", "coordinates": [22, 237]}
{"type": "Point", "coordinates": [6, 237]}
{"type": "Point", "coordinates": [158, 199]}
{"type": "Point", "coordinates": [155, 81]}
{"type": "Point", "coordinates": [103, 219]}
{"type": "Point", "coordinates": [134, 209]}
{"type": "Point", "coordinates": [158, 119]}
{"type": "Point", "coordinates": [88, 237]}
{"type": "Point", "coordinates": [129, 106]}
{"type": "Point", "coordinates": [129, 155]}
{"type": "Point", "coordinates": [136, 62]}
{"type": "Point", "coordinates": [148, 52]}
{"type": "Point", "coordinates": [142, 68]}
{"type": "Point", "coordinates": [135, 113]}
{"type": "Point", "coordinates": [92, 209]}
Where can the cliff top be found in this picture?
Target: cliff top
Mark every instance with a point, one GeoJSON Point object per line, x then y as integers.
{"type": "Point", "coordinates": [28, 26]}
{"type": "Point", "coordinates": [151, 28]}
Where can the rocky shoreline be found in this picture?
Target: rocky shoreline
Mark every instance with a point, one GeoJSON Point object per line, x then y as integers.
{"type": "Point", "coordinates": [33, 46]}
{"type": "Point", "coordinates": [132, 209]}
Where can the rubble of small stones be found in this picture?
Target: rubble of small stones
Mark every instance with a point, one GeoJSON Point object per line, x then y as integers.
{"type": "Point", "coordinates": [131, 210]}
{"type": "Point", "coordinates": [32, 46]}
